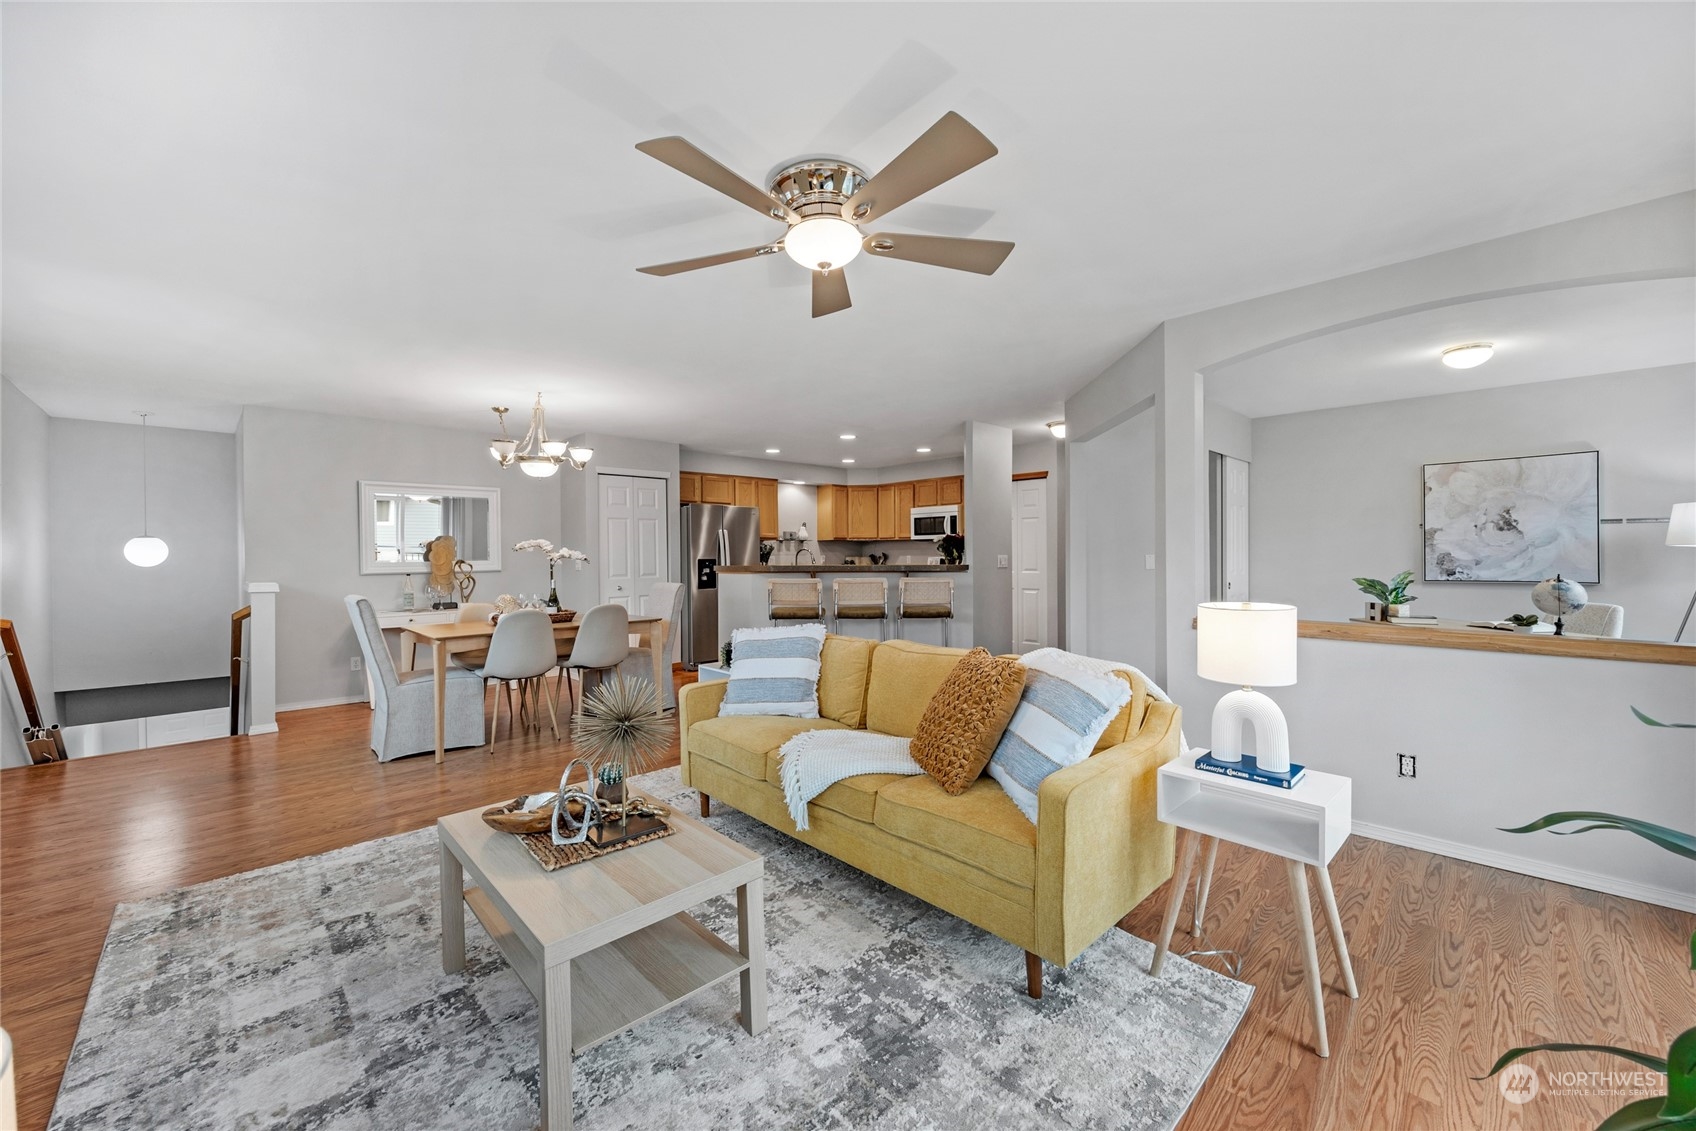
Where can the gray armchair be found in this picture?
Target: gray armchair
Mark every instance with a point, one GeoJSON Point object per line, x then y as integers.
{"type": "Point", "coordinates": [403, 714]}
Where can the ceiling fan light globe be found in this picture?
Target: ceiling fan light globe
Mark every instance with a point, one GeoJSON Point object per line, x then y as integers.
{"type": "Point", "coordinates": [822, 243]}
{"type": "Point", "coordinates": [1468, 356]}
{"type": "Point", "coordinates": [146, 551]}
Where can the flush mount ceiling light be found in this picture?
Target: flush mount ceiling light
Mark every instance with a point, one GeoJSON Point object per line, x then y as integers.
{"type": "Point", "coordinates": [145, 551]}
{"type": "Point", "coordinates": [824, 200]}
{"type": "Point", "coordinates": [1057, 428]}
{"type": "Point", "coordinates": [536, 455]}
{"type": "Point", "coordinates": [1470, 355]}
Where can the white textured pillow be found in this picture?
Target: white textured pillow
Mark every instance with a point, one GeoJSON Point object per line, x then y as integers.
{"type": "Point", "coordinates": [774, 671]}
{"type": "Point", "coordinates": [1062, 712]}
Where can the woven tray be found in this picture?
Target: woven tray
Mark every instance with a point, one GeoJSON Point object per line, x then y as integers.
{"type": "Point", "coordinates": [553, 856]}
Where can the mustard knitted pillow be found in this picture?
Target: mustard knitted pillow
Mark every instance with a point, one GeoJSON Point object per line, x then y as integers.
{"type": "Point", "coordinates": [965, 718]}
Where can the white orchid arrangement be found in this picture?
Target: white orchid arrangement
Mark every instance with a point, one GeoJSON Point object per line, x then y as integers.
{"type": "Point", "coordinates": [565, 554]}
{"type": "Point", "coordinates": [541, 544]}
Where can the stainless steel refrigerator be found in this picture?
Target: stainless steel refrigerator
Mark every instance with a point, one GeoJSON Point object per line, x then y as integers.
{"type": "Point", "coordinates": [713, 535]}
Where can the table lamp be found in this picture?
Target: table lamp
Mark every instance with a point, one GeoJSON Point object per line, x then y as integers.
{"type": "Point", "coordinates": [1250, 644]}
{"type": "Point", "coordinates": [1681, 531]}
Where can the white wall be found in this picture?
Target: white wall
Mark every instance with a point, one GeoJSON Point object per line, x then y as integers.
{"type": "Point", "coordinates": [25, 590]}
{"type": "Point", "coordinates": [1336, 494]}
{"type": "Point", "coordinates": [988, 516]}
{"type": "Point", "coordinates": [1112, 603]}
{"type": "Point", "coordinates": [300, 491]}
{"type": "Point", "coordinates": [96, 508]}
{"type": "Point", "coordinates": [1228, 432]}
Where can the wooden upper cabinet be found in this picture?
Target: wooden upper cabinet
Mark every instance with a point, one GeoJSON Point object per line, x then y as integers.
{"type": "Point", "coordinates": [862, 513]}
{"type": "Point", "coordinates": [688, 487]}
{"type": "Point", "coordinates": [747, 491]}
{"type": "Point", "coordinates": [886, 513]}
{"type": "Point", "coordinates": [951, 491]}
{"type": "Point", "coordinates": [903, 510]}
{"type": "Point", "coordinates": [766, 492]}
{"type": "Point", "coordinates": [833, 513]}
{"type": "Point", "coordinates": [718, 489]}
{"type": "Point", "coordinates": [924, 493]}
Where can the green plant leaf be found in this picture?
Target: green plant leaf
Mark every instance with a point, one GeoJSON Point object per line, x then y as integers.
{"type": "Point", "coordinates": [1642, 1115]}
{"type": "Point", "coordinates": [1678, 843]}
{"type": "Point", "coordinates": [1647, 1060]}
{"type": "Point", "coordinates": [1681, 1076]}
{"type": "Point", "coordinates": [1653, 723]}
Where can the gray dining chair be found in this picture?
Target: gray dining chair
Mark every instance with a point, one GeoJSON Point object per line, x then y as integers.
{"type": "Point", "coordinates": [666, 600]}
{"type": "Point", "coordinates": [603, 643]}
{"type": "Point", "coordinates": [403, 704]}
{"type": "Point", "coordinates": [521, 650]}
{"type": "Point", "coordinates": [1595, 620]}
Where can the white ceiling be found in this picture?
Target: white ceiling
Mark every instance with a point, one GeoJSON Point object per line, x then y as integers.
{"type": "Point", "coordinates": [416, 211]}
{"type": "Point", "coordinates": [1541, 336]}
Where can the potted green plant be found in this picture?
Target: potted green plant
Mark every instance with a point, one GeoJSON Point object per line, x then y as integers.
{"type": "Point", "coordinates": [1393, 595]}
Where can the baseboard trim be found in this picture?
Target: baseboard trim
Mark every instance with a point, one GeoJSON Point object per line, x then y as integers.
{"type": "Point", "coordinates": [311, 703]}
{"type": "Point", "coordinates": [262, 728]}
{"type": "Point", "coordinates": [1507, 862]}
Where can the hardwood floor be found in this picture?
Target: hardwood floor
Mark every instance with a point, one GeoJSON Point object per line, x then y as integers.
{"type": "Point", "coordinates": [1455, 962]}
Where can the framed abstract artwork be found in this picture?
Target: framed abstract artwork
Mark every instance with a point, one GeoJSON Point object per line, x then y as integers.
{"type": "Point", "coordinates": [1522, 519]}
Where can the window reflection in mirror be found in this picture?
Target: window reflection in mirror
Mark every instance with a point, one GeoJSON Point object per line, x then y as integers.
{"type": "Point", "coordinates": [397, 520]}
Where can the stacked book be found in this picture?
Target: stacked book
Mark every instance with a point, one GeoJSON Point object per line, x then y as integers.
{"type": "Point", "coordinates": [1249, 770]}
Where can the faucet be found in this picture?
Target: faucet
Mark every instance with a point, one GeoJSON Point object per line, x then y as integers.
{"type": "Point", "coordinates": [810, 559]}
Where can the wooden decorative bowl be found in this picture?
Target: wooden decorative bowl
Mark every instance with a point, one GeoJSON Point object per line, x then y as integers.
{"type": "Point", "coordinates": [509, 818]}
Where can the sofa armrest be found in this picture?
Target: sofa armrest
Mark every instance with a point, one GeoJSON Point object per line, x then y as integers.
{"type": "Point", "coordinates": [1100, 850]}
{"type": "Point", "coordinates": [695, 702]}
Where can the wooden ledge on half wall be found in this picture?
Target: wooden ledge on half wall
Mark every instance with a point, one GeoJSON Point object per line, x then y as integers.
{"type": "Point", "coordinates": [1456, 634]}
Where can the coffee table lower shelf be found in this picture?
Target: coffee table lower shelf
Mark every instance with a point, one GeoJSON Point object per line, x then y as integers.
{"type": "Point", "coordinates": [629, 979]}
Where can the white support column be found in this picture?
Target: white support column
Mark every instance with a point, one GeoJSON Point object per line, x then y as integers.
{"type": "Point", "coordinates": [989, 533]}
{"type": "Point", "coordinates": [261, 680]}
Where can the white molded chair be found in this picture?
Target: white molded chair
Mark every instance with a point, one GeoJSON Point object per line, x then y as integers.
{"type": "Point", "coordinates": [666, 599]}
{"type": "Point", "coordinates": [1595, 620]}
{"type": "Point", "coordinates": [603, 643]}
{"type": "Point", "coordinates": [926, 598]}
{"type": "Point", "coordinates": [521, 649]}
{"type": "Point", "coordinates": [403, 707]}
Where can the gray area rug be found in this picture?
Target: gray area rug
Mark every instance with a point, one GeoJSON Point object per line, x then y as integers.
{"type": "Point", "coordinates": [310, 995]}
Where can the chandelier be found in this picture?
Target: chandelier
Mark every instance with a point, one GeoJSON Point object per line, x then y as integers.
{"type": "Point", "coordinates": [536, 454]}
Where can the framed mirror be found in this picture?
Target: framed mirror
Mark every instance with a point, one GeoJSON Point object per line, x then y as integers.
{"type": "Point", "coordinates": [397, 519]}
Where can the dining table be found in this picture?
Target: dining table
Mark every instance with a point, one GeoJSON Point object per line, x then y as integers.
{"type": "Point", "coordinates": [652, 634]}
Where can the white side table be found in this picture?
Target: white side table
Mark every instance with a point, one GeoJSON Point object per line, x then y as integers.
{"type": "Point", "coordinates": [1305, 825]}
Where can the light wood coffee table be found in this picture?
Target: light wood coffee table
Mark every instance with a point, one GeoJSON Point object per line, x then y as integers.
{"type": "Point", "coordinates": [606, 943]}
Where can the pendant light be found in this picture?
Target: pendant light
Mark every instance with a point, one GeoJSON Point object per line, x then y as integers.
{"type": "Point", "coordinates": [147, 550]}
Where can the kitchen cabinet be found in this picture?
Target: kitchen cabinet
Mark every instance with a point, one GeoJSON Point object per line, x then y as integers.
{"type": "Point", "coordinates": [903, 510]}
{"type": "Point", "coordinates": [951, 491]}
{"type": "Point", "coordinates": [833, 513]}
{"type": "Point", "coordinates": [766, 494]}
{"type": "Point", "coordinates": [747, 491]}
{"type": "Point", "coordinates": [862, 513]}
{"type": "Point", "coordinates": [688, 487]}
{"type": "Point", "coordinates": [886, 513]}
{"type": "Point", "coordinates": [718, 489]}
{"type": "Point", "coordinates": [924, 493]}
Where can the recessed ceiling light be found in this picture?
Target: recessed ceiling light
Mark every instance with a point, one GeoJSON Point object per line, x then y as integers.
{"type": "Point", "coordinates": [847, 436]}
{"type": "Point", "coordinates": [773, 451]}
{"type": "Point", "coordinates": [847, 461]}
{"type": "Point", "coordinates": [1470, 355]}
{"type": "Point", "coordinates": [1058, 428]}
{"type": "Point", "coordinates": [799, 482]}
{"type": "Point", "coordinates": [921, 451]}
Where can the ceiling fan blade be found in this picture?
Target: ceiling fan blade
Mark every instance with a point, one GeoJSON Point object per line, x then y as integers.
{"type": "Point", "coordinates": [941, 153]}
{"type": "Point", "coordinates": [830, 292]}
{"type": "Point", "coordinates": [692, 162]}
{"type": "Point", "coordinates": [683, 265]}
{"type": "Point", "coordinates": [981, 256]}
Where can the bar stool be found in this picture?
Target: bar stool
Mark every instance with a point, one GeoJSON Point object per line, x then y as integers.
{"type": "Point", "coordinates": [926, 598]}
{"type": "Point", "coordinates": [794, 599]}
{"type": "Point", "coordinates": [861, 598]}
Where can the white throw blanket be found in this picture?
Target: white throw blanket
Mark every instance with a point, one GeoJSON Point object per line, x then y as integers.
{"type": "Point", "coordinates": [815, 760]}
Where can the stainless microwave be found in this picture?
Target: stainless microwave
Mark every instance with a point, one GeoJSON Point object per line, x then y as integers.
{"type": "Point", "coordinates": [934, 522]}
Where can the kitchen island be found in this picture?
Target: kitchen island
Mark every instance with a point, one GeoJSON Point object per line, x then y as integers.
{"type": "Point", "coordinates": [742, 598]}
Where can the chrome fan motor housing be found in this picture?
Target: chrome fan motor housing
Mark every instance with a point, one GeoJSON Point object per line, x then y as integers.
{"type": "Point", "coordinates": [816, 186]}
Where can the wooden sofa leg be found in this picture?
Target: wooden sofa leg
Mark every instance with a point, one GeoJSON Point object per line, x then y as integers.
{"type": "Point", "coordinates": [1033, 975]}
{"type": "Point", "coordinates": [706, 806]}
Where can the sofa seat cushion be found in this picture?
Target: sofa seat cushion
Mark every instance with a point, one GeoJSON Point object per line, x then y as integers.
{"type": "Point", "coordinates": [742, 742]}
{"type": "Point", "coordinates": [980, 827]}
{"type": "Point", "coordinates": [904, 676]}
{"type": "Point", "coordinates": [854, 797]}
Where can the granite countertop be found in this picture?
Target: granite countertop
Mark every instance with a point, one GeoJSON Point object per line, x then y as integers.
{"type": "Point", "coordinates": [823, 567]}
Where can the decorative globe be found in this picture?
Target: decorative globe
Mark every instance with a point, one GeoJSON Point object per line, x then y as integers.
{"type": "Point", "coordinates": [1558, 597]}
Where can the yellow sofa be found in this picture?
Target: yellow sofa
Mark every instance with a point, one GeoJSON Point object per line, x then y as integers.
{"type": "Point", "coordinates": [1052, 888]}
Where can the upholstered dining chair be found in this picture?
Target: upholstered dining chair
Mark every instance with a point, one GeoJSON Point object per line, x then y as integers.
{"type": "Point", "coordinates": [603, 643]}
{"type": "Point", "coordinates": [794, 598]}
{"type": "Point", "coordinates": [860, 598]}
{"type": "Point", "coordinates": [926, 598]}
{"type": "Point", "coordinates": [403, 707]}
{"type": "Point", "coordinates": [666, 600]}
{"type": "Point", "coordinates": [521, 650]}
{"type": "Point", "coordinates": [1595, 620]}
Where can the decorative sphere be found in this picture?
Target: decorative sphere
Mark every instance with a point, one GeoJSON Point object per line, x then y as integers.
{"type": "Point", "coordinates": [1557, 597]}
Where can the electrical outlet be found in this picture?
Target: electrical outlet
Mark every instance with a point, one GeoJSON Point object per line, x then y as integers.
{"type": "Point", "coordinates": [1148, 561]}
{"type": "Point", "coordinates": [1405, 766]}
{"type": "Point", "coordinates": [1000, 561]}
{"type": "Point", "coordinates": [353, 664]}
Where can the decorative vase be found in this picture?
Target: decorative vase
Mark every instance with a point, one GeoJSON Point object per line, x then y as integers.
{"type": "Point", "coordinates": [553, 594]}
{"type": "Point", "coordinates": [1398, 610]}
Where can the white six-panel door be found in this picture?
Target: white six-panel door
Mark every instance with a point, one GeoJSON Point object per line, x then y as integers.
{"type": "Point", "coordinates": [1030, 564]}
{"type": "Point", "coordinates": [634, 549]}
{"type": "Point", "coordinates": [1235, 534]}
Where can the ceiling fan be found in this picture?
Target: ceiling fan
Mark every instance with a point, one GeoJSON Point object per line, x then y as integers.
{"type": "Point", "coordinates": [824, 200]}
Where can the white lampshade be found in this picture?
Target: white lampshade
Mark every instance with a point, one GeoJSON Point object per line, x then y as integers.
{"type": "Point", "coordinates": [581, 455]}
{"type": "Point", "coordinates": [1248, 643]}
{"type": "Point", "coordinates": [146, 551]}
{"type": "Point", "coordinates": [820, 242]}
{"type": "Point", "coordinates": [537, 467]}
{"type": "Point", "coordinates": [1681, 528]}
{"type": "Point", "coordinates": [503, 450]}
{"type": "Point", "coordinates": [555, 448]}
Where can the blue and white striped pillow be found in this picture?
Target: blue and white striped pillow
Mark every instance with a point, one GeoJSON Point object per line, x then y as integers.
{"type": "Point", "coordinates": [774, 671]}
{"type": "Point", "coordinates": [1060, 716]}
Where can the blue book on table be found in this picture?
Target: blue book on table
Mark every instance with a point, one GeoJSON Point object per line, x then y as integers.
{"type": "Point", "coordinates": [1247, 770]}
